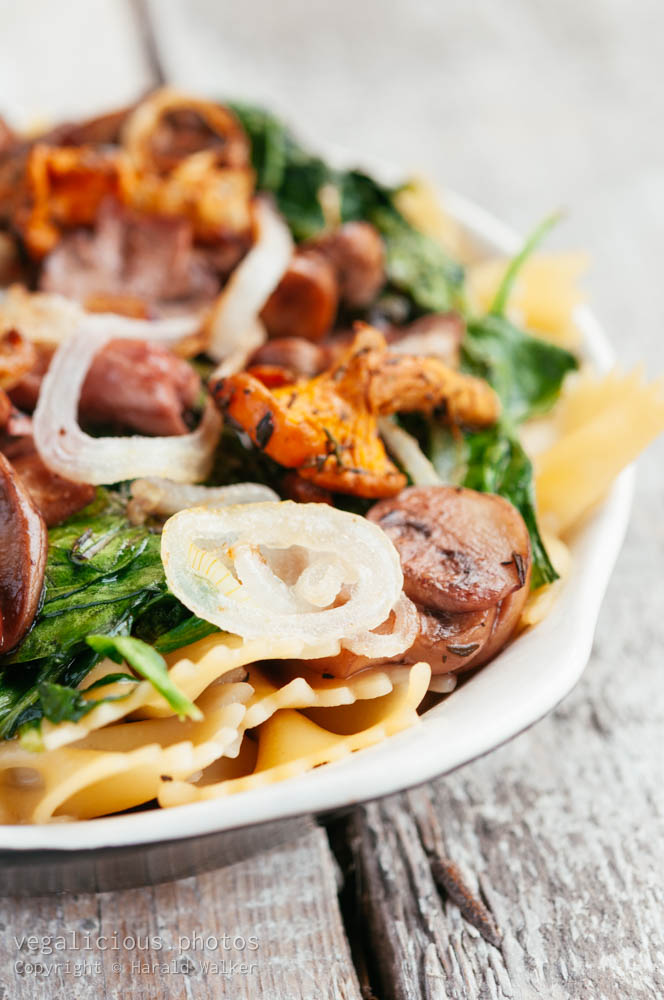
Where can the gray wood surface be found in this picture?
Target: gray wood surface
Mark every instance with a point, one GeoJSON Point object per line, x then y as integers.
{"type": "Point", "coordinates": [268, 927]}
{"type": "Point", "coordinates": [559, 835]}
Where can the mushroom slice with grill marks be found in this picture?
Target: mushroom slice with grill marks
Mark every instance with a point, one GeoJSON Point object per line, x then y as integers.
{"type": "Point", "coordinates": [327, 427]}
{"type": "Point", "coordinates": [460, 550]}
{"type": "Point", "coordinates": [466, 561]}
{"type": "Point", "coordinates": [23, 542]}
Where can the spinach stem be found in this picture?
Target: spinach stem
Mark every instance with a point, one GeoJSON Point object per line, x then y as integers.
{"type": "Point", "coordinates": [517, 262]}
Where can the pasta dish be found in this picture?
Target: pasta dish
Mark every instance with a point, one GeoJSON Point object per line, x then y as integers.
{"type": "Point", "coordinates": [283, 459]}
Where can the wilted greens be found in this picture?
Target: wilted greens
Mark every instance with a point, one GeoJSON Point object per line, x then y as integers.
{"type": "Point", "coordinates": [105, 592]}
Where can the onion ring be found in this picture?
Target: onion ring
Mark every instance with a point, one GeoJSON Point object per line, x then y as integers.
{"type": "Point", "coordinates": [205, 551]}
{"type": "Point", "coordinates": [165, 497]}
{"type": "Point", "coordinates": [142, 123]}
{"type": "Point", "coordinates": [234, 318]}
{"type": "Point", "coordinates": [50, 319]}
{"type": "Point", "coordinates": [69, 451]}
{"type": "Point", "coordinates": [384, 645]}
{"type": "Point", "coordinates": [405, 448]}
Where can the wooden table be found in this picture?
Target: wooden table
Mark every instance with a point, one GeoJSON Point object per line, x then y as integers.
{"type": "Point", "coordinates": [558, 836]}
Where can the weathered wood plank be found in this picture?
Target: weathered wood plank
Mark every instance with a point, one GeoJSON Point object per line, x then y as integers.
{"type": "Point", "coordinates": [561, 833]}
{"type": "Point", "coordinates": [268, 927]}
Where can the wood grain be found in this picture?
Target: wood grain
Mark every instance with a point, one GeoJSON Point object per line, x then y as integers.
{"type": "Point", "coordinates": [269, 927]}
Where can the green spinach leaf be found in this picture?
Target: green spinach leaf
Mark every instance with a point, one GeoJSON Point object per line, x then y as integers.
{"type": "Point", "coordinates": [97, 585]}
{"type": "Point", "coordinates": [415, 264]}
{"type": "Point", "coordinates": [150, 664]}
{"type": "Point", "coordinates": [19, 686]}
{"type": "Point", "coordinates": [496, 463]}
{"type": "Point", "coordinates": [493, 461]}
{"type": "Point", "coordinates": [526, 372]}
{"type": "Point", "coordinates": [65, 704]}
{"type": "Point", "coordinates": [284, 168]}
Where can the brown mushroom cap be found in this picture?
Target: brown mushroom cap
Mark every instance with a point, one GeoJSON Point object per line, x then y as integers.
{"type": "Point", "coordinates": [304, 303]}
{"type": "Point", "coordinates": [23, 543]}
{"type": "Point", "coordinates": [356, 252]}
{"type": "Point", "coordinates": [460, 550]}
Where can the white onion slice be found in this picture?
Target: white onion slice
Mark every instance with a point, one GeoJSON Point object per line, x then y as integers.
{"type": "Point", "coordinates": [402, 636]}
{"type": "Point", "coordinates": [50, 319]}
{"type": "Point", "coordinates": [41, 317]}
{"type": "Point", "coordinates": [72, 453]}
{"type": "Point", "coordinates": [235, 313]}
{"type": "Point", "coordinates": [165, 497]}
{"type": "Point", "coordinates": [260, 584]}
{"type": "Point", "coordinates": [408, 453]}
{"type": "Point", "coordinates": [319, 583]}
{"type": "Point", "coordinates": [199, 545]}
{"type": "Point", "coordinates": [236, 361]}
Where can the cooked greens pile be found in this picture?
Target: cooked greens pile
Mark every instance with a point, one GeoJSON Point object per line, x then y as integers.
{"type": "Point", "coordinates": [104, 576]}
{"type": "Point", "coordinates": [525, 371]}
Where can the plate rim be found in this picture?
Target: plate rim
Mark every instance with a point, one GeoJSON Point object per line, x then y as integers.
{"type": "Point", "coordinates": [379, 766]}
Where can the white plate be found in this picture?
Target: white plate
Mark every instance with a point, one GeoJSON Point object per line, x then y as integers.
{"type": "Point", "coordinates": [516, 689]}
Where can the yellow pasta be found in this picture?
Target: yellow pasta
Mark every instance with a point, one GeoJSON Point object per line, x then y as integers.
{"type": "Point", "coordinates": [291, 743]}
{"type": "Point", "coordinates": [612, 421]}
{"type": "Point", "coordinates": [122, 764]}
{"type": "Point", "coordinates": [584, 398]}
{"type": "Point", "coordinates": [81, 784]}
{"type": "Point", "coordinates": [541, 601]}
{"type": "Point", "coordinates": [544, 296]}
{"type": "Point", "coordinates": [193, 668]}
{"type": "Point", "coordinates": [117, 767]}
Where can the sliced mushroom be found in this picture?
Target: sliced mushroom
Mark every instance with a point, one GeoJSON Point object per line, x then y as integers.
{"type": "Point", "coordinates": [299, 358]}
{"type": "Point", "coordinates": [304, 303]}
{"type": "Point", "coordinates": [436, 336]}
{"type": "Point", "coordinates": [452, 642]}
{"type": "Point", "coordinates": [460, 550]}
{"type": "Point", "coordinates": [466, 561]}
{"type": "Point", "coordinates": [356, 252]}
{"type": "Point", "coordinates": [23, 543]}
{"type": "Point", "coordinates": [5, 408]}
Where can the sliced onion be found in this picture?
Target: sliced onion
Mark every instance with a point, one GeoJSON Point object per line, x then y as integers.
{"type": "Point", "coordinates": [236, 361]}
{"type": "Point", "coordinates": [165, 497]}
{"type": "Point", "coordinates": [404, 447]}
{"type": "Point", "coordinates": [143, 122]}
{"type": "Point", "coordinates": [200, 549]}
{"type": "Point", "coordinates": [40, 316]}
{"type": "Point", "coordinates": [235, 313]}
{"type": "Point", "coordinates": [260, 583]}
{"type": "Point", "coordinates": [320, 582]}
{"type": "Point", "coordinates": [402, 636]}
{"type": "Point", "coordinates": [50, 319]}
{"type": "Point", "coordinates": [72, 453]}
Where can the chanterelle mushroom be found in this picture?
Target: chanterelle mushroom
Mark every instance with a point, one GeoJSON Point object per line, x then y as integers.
{"type": "Point", "coordinates": [327, 427]}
